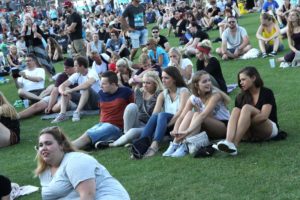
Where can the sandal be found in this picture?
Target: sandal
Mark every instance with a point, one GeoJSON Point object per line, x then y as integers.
{"type": "Point", "coordinates": [150, 152]}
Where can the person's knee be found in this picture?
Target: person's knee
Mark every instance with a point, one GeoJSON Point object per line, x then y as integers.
{"type": "Point", "coordinates": [132, 108]}
{"type": "Point", "coordinates": [20, 92]}
{"type": "Point", "coordinates": [246, 108]}
{"type": "Point", "coordinates": [39, 106]}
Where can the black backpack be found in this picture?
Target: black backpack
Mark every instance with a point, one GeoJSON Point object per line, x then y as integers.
{"type": "Point", "coordinates": [140, 146]}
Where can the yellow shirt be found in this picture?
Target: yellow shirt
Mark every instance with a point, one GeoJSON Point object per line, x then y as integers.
{"type": "Point", "coordinates": [267, 34]}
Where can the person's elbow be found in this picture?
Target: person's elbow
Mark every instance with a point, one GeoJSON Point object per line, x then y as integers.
{"type": "Point", "coordinates": [88, 195]}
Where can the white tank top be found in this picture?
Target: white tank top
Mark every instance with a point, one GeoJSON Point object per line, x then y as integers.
{"type": "Point", "coordinates": [172, 106]}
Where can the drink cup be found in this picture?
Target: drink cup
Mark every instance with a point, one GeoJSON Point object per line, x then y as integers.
{"type": "Point", "coordinates": [26, 103]}
{"type": "Point", "coordinates": [272, 62]}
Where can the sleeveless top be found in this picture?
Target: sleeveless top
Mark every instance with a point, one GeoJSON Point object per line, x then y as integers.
{"type": "Point", "coordinates": [172, 106]}
{"type": "Point", "coordinates": [97, 47]}
{"type": "Point", "coordinates": [220, 112]}
{"type": "Point", "coordinates": [296, 38]}
{"type": "Point", "coordinates": [14, 59]}
{"type": "Point", "coordinates": [267, 34]}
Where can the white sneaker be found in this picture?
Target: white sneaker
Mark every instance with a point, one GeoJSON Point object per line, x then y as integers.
{"type": "Point", "coordinates": [76, 117]}
{"type": "Point", "coordinates": [227, 147]}
{"type": "Point", "coordinates": [181, 151]}
{"type": "Point", "coordinates": [171, 149]}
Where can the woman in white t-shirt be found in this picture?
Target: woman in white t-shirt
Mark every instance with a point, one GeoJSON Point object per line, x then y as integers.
{"type": "Point", "coordinates": [184, 65]}
{"type": "Point", "coordinates": [70, 175]}
{"type": "Point", "coordinates": [205, 110]}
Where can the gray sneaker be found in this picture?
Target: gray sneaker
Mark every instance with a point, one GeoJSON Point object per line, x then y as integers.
{"type": "Point", "coordinates": [60, 118]}
{"type": "Point", "coordinates": [76, 117]}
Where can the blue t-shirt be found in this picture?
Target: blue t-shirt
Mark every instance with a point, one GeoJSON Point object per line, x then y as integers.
{"type": "Point", "coordinates": [159, 51]}
{"type": "Point", "coordinates": [115, 45]}
{"type": "Point", "coordinates": [273, 5]}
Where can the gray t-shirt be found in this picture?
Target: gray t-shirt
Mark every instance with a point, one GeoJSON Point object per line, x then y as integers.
{"type": "Point", "coordinates": [145, 106]}
{"type": "Point", "coordinates": [234, 41]}
{"type": "Point", "coordinates": [75, 168]}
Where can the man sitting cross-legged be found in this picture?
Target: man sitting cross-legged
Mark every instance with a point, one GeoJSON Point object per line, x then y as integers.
{"type": "Point", "coordinates": [51, 103]}
{"type": "Point", "coordinates": [112, 102]}
{"type": "Point", "coordinates": [88, 84]}
{"type": "Point", "coordinates": [235, 41]}
{"type": "Point", "coordinates": [32, 80]}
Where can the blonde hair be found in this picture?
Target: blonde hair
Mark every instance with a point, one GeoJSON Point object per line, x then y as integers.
{"type": "Point", "coordinates": [208, 45]}
{"type": "Point", "coordinates": [290, 24]}
{"type": "Point", "coordinates": [61, 139]}
{"type": "Point", "coordinates": [152, 41]}
{"type": "Point", "coordinates": [178, 53]}
{"type": "Point", "coordinates": [6, 109]}
{"type": "Point", "coordinates": [126, 62]}
{"type": "Point", "coordinates": [155, 77]}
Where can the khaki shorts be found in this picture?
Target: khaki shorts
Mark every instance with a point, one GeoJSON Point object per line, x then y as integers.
{"type": "Point", "coordinates": [78, 48]}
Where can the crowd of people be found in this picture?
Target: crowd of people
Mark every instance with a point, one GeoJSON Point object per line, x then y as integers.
{"type": "Point", "coordinates": [161, 94]}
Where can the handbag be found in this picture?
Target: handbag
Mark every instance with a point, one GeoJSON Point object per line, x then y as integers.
{"type": "Point", "coordinates": [195, 142]}
{"type": "Point", "coordinates": [140, 146]}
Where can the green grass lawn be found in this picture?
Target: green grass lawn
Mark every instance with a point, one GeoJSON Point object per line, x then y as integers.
{"type": "Point", "coordinates": [261, 171]}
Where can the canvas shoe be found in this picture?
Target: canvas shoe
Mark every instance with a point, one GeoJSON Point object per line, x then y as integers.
{"type": "Point", "coordinates": [171, 149]}
{"type": "Point", "coordinates": [60, 118]}
{"type": "Point", "coordinates": [103, 144]}
{"type": "Point", "coordinates": [273, 53]}
{"type": "Point", "coordinates": [76, 117]}
{"type": "Point", "coordinates": [181, 151]}
{"type": "Point", "coordinates": [227, 147]}
{"type": "Point", "coordinates": [264, 55]}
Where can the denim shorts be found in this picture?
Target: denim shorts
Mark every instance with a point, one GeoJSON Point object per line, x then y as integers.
{"type": "Point", "coordinates": [138, 38]}
{"type": "Point", "coordinates": [104, 132]}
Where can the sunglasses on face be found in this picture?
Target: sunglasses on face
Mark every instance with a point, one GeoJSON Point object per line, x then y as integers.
{"type": "Point", "coordinates": [231, 22]}
{"type": "Point", "coordinates": [154, 31]}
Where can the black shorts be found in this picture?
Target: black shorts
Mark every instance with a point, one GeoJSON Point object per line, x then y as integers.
{"type": "Point", "coordinates": [36, 92]}
{"type": "Point", "coordinates": [225, 122]}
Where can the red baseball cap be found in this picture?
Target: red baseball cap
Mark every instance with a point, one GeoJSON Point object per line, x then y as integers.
{"type": "Point", "coordinates": [67, 4]}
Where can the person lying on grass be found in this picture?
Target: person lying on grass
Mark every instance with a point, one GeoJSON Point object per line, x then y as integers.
{"type": "Point", "coordinates": [9, 124]}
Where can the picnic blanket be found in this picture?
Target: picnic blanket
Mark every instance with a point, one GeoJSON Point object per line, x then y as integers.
{"type": "Point", "coordinates": [70, 113]}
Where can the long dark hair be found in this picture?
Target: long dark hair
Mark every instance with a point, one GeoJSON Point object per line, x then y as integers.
{"type": "Point", "coordinates": [175, 74]}
{"type": "Point", "coordinates": [245, 97]}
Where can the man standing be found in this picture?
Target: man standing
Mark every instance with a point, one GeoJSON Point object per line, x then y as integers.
{"type": "Point", "coordinates": [235, 41]}
{"type": "Point", "coordinates": [74, 29]}
{"type": "Point", "coordinates": [112, 102]}
{"type": "Point", "coordinates": [88, 86]}
{"type": "Point", "coordinates": [136, 26]}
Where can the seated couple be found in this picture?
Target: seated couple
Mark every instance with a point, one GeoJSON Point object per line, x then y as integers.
{"type": "Point", "coordinates": [75, 88]}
